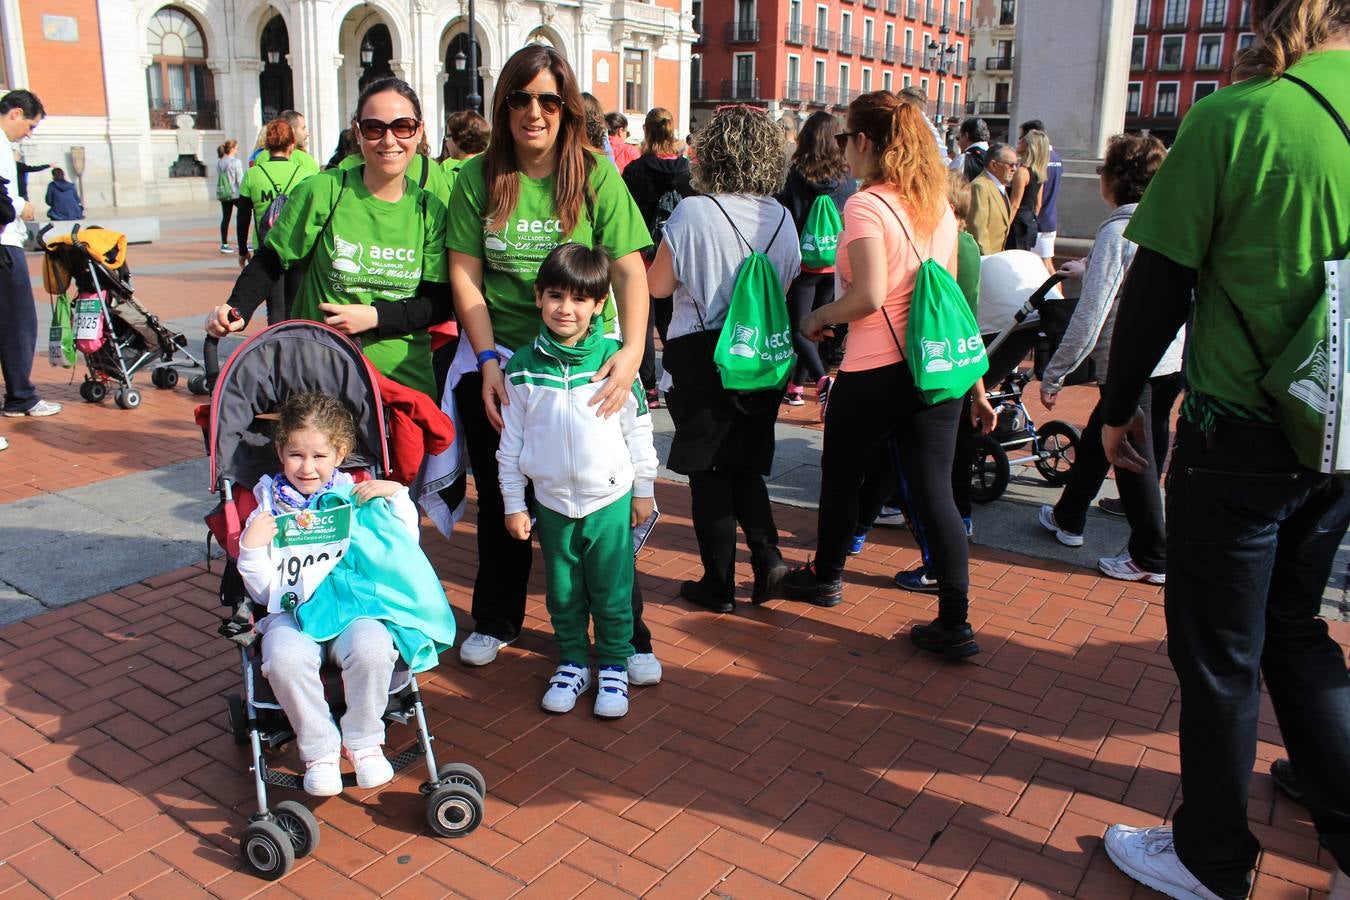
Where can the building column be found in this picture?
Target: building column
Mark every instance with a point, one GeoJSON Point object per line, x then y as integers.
{"type": "Point", "coordinates": [246, 115]}
{"type": "Point", "coordinates": [315, 58]}
{"type": "Point", "coordinates": [120, 171]}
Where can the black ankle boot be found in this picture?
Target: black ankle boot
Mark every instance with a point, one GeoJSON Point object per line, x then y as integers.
{"type": "Point", "coordinates": [698, 594]}
{"type": "Point", "coordinates": [768, 580]}
{"type": "Point", "coordinates": [953, 642]}
{"type": "Point", "coordinates": [802, 584]}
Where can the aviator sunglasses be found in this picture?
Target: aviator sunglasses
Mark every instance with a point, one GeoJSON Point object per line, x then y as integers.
{"type": "Point", "coordinates": [374, 129]}
{"type": "Point", "coordinates": [548, 103]}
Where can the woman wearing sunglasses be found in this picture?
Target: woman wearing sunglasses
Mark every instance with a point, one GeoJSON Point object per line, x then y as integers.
{"type": "Point", "coordinates": [370, 242]}
{"type": "Point", "coordinates": [536, 186]}
{"type": "Point", "coordinates": [899, 218]}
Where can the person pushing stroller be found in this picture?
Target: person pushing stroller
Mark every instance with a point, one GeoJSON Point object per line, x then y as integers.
{"type": "Point", "coordinates": [360, 599]}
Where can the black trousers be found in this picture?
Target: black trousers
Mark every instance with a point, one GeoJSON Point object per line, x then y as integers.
{"type": "Point", "coordinates": [1251, 538]}
{"type": "Point", "coordinates": [807, 291]}
{"type": "Point", "coordinates": [662, 309]}
{"type": "Point", "coordinates": [226, 210]}
{"type": "Point", "coordinates": [873, 406]}
{"type": "Point", "coordinates": [721, 499]}
{"type": "Point", "coordinates": [504, 562]}
{"type": "Point", "coordinates": [1139, 493]}
{"type": "Point", "coordinates": [282, 293]}
{"type": "Point", "coordinates": [18, 331]}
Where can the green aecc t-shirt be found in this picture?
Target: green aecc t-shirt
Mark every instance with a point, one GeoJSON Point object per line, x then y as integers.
{"type": "Point", "coordinates": [512, 255]}
{"type": "Point", "coordinates": [371, 250]}
{"type": "Point", "coordinates": [267, 179]}
{"type": "Point", "coordinates": [1255, 196]}
{"type": "Point", "coordinates": [435, 183]}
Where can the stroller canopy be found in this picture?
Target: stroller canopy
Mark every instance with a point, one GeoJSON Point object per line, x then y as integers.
{"type": "Point", "coordinates": [285, 359]}
{"type": "Point", "coordinates": [69, 256]}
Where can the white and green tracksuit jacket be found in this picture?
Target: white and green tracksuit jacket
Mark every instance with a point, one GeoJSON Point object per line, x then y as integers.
{"type": "Point", "coordinates": [578, 461]}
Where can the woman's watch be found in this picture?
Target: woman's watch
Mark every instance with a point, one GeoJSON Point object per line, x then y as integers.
{"type": "Point", "coordinates": [485, 355]}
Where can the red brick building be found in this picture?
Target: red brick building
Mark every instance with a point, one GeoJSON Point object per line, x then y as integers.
{"type": "Point", "coordinates": [1183, 50]}
{"type": "Point", "coordinates": [798, 56]}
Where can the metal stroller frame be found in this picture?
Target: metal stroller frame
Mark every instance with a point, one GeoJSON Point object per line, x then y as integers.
{"type": "Point", "coordinates": [110, 361]}
{"type": "Point", "coordinates": [298, 355]}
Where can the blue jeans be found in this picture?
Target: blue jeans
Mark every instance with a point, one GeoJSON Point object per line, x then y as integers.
{"type": "Point", "coordinates": [1251, 537]}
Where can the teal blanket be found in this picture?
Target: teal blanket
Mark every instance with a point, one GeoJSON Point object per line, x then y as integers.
{"type": "Point", "coordinates": [384, 575]}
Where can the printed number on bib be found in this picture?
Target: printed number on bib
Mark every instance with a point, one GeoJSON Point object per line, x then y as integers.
{"type": "Point", "coordinates": [309, 543]}
{"type": "Point", "coordinates": [88, 319]}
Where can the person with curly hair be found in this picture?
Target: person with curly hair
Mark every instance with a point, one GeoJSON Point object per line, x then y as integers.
{"type": "Point", "coordinates": [724, 441]}
{"type": "Point", "coordinates": [1131, 160]}
{"type": "Point", "coordinates": [899, 219]}
{"type": "Point", "coordinates": [466, 136]}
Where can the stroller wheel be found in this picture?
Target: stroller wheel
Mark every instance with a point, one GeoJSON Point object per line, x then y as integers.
{"type": "Point", "coordinates": [990, 472]}
{"type": "Point", "coordinates": [454, 810]}
{"type": "Point", "coordinates": [164, 377]}
{"type": "Point", "coordinates": [463, 773]}
{"type": "Point", "coordinates": [1056, 446]}
{"type": "Point", "coordinates": [197, 385]}
{"type": "Point", "coordinates": [266, 850]}
{"type": "Point", "coordinates": [300, 826]}
{"type": "Point", "coordinates": [93, 391]}
{"type": "Point", "coordinates": [128, 398]}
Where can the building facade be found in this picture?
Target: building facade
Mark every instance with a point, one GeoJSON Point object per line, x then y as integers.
{"type": "Point", "coordinates": [991, 65]}
{"type": "Point", "coordinates": [1183, 50]}
{"type": "Point", "coordinates": [798, 56]}
{"type": "Point", "coordinates": [130, 86]}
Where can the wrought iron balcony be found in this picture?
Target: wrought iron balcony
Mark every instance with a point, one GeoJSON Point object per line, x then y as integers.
{"type": "Point", "coordinates": [740, 89]}
{"type": "Point", "coordinates": [743, 32]}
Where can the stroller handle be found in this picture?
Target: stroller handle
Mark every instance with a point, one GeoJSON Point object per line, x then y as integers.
{"type": "Point", "coordinates": [1038, 298]}
{"type": "Point", "coordinates": [211, 352]}
{"type": "Point", "coordinates": [1033, 304]}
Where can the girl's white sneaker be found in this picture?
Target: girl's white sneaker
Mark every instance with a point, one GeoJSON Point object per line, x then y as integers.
{"type": "Point", "coordinates": [611, 700]}
{"type": "Point", "coordinates": [569, 681]}
{"type": "Point", "coordinates": [323, 777]}
{"type": "Point", "coordinates": [372, 769]}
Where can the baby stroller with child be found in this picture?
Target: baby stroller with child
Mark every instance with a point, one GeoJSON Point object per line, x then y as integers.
{"type": "Point", "coordinates": [290, 357]}
{"type": "Point", "coordinates": [116, 334]}
{"type": "Point", "coordinates": [1038, 325]}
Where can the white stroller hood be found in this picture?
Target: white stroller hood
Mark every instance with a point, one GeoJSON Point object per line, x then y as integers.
{"type": "Point", "coordinates": [1007, 279]}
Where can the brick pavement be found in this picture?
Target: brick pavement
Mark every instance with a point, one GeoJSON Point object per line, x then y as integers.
{"type": "Point", "coordinates": [790, 751]}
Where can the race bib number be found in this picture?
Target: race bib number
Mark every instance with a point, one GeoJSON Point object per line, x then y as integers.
{"type": "Point", "coordinates": [88, 319]}
{"type": "Point", "coordinates": [309, 543]}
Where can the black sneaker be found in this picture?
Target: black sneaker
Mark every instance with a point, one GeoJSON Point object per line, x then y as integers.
{"type": "Point", "coordinates": [1286, 779]}
{"type": "Point", "coordinates": [697, 594]}
{"type": "Point", "coordinates": [802, 584]}
{"type": "Point", "coordinates": [1111, 506]}
{"type": "Point", "coordinates": [953, 643]}
{"type": "Point", "coordinates": [768, 581]}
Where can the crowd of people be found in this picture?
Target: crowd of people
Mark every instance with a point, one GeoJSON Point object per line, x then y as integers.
{"type": "Point", "coordinates": [557, 246]}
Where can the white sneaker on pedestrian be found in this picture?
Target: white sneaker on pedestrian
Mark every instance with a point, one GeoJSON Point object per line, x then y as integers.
{"type": "Point", "coordinates": [1124, 568]}
{"type": "Point", "coordinates": [480, 649]}
{"type": "Point", "coordinates": [611, 698]}
{"type": "Point", "coordinates": [1147, 856]}
{"type": "Point", "coordinates": [1067, 538]}
{"type": "Point", "coordinates": [644, 669]}
{"type": "Point", "coordinates": [4, 443]}
{"type": "Point", "coordinates": [372, 769]}
{"type": "Point", "coordinates": [568, 683]}
{"type": "Point", "coordinates": [40, 408]}
{"type": "Point", "coordinates": [323, 778]}
{"type": "Point", "coordinates": [224, 248]}
{"type": "Point", "coordinates": [890, 517]}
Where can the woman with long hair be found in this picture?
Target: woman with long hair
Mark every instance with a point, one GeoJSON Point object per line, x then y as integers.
{"type": "Point", "coordinates": [1024, 194]}
{"type": "Point", "coordinates": [724, 440]}
{"type": "Point", "coordinates": [536, 186]}
{"type": "Point", "coordinates": [273, 175]}
{"type": "Point", "coordinates": [1235, 234]}
{"type": "Point", "coordinates": [817, 169]}
{"type": "Point", "coordinates": [229, 175]}
{"type": "Point", "coordinates": [900, 218]}
{"type": "Point", "coordinates": [658, 180]}
{"type": "Point", "coordinates": [333, 218]}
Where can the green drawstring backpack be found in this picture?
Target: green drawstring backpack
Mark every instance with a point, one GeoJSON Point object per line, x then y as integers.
{"type": "Point", "coordinates": [820, 233]}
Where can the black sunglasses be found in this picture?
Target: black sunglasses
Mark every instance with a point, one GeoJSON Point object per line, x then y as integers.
{"type": "Point", "coordinates": [549, 103]}
{"type": "Point", "coordinates": [841, 138]}
{"type": "Point", "coordinates": [374, 129]}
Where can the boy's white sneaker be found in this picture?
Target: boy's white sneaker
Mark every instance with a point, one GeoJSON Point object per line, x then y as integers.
{"type": "Point", "coordinates": [1067, 538]}
{"type": "Point", "coordinates": [569, 681]}
{"type": "Point", "coordinates": [611, 698]}
{"type": "Point", "coordinates": [323, 777]}
{"type": "Point", "coordinates": [372, 769]}
{"type": "Point", "coordinates": [1147, 856]}
{"type": "Point", "coordinates": [644, 669]}
{"type": "Point", "coordinates": [1124, 568]}
{"type": "Point", "coordinates": [480, 649]}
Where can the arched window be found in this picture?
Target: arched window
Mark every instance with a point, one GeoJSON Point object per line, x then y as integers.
{"type": "Point", "coordinates": [177, 78]}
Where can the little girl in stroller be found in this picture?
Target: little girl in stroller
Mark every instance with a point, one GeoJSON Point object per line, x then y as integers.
{"type": "Point", "coordinates": [344, 580]}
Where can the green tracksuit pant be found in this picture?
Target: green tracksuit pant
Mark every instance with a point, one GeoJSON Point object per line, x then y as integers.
{"type": "Point", "coordinates": [589, 567]}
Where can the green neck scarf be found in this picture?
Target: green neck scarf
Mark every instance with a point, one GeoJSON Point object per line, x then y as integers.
{"type": "Point", "coordinates": [575, 354]}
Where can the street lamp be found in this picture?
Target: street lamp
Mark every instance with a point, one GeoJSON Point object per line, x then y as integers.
{"type": "Point", "coordinates": [475, 100]}
{"type": "Point", "coordinates": [941, 58]}
{"type": "Point", "coordinates": [273, 57]}
{"type": "Point", "coordinates": [367, 51]}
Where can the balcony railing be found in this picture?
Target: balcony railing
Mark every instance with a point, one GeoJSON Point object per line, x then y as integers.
{"type": "Point", "coordinates": [821, 95]}
{"type": "Point", "coordinates": [844, 96]}
{"type": "Point", "coordinates": [205, 114]}
{"type": "Point", "coordinates": [962, 25]}
{"type": "Point", "coordinates": [888, 54]}
{"type": "Point", "coordinates": [1208, 64]}
{"type": "Point", "coordinates": [1211, 19]}
{"type": "Point", "coordinates": [796, 91]}
{"type": "Point", "coordinates": [911, 57]}
{"type": "Point", "coordinates": [1170, 65]}
{"type": "Point", "coordinates": [929, 15]}
{"type": "Point", "coordinates": [1161, 113]}
{"type": "Point", "coordinates": [846, 44]}
{"type": "Point", "coordinates": [998, 64]}
{"type": "Point", "coordinates": [970, 107]}
{"type": "Point", "coordinates": [911, 9]}
{"type": "Point", "coordinates": [824, 39]}
{"type": "Point", "coordinates": [698, 90]}
{"type": "Point", "coordinates": [867, 49]}
{"type": "Point", "coordinates": [742, 89]}
{"type": "Point", "coordinates": [743, 32]}
{"type": "Point", "coordinates": [797, 33]}
{"type": "Point", "coordinates": [994, 107]}
{"type": "Point", "coordinates": [1174, 20]}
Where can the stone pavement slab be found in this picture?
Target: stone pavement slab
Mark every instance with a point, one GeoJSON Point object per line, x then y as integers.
{"type": "Point", "coordinates": [789, 751]}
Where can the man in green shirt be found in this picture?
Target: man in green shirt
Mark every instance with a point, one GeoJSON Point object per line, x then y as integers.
{"type": "Point", "coordinates": [300, 155]}
{"type": "Point", "coordinates": [1252, 201]}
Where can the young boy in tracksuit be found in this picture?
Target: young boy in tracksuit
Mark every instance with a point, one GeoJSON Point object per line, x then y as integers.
{"type": "Point", "coordinates": [592, 477]}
